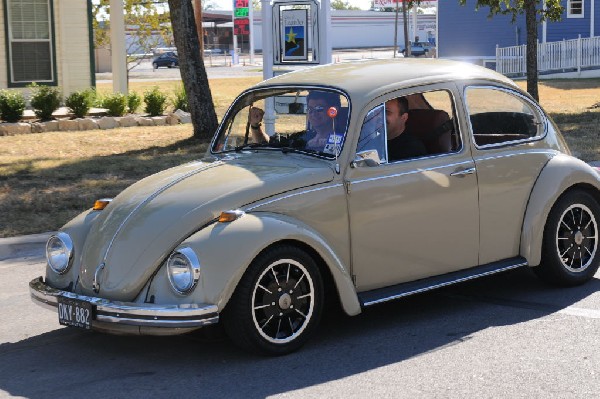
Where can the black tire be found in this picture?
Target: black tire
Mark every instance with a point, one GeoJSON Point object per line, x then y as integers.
{"type": "Point", "coordinates": [278, 303]}
{"type": "Point", "coordinates": [155, 65]}
{"type": "Point", "coordinates": [570, 249]}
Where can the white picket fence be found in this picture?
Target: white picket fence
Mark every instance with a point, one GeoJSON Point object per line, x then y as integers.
{"type": "Point", "coordinates": [566, 55]}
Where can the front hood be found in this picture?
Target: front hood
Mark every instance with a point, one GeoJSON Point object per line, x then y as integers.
{"type": "Point", "coordinates": [142, 225]}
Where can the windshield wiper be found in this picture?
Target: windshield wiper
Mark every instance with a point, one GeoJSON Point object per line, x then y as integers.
{"type": "Point", "coordinates": [249, 146]}
{"type": "Point", "coordinates": [286, 150]}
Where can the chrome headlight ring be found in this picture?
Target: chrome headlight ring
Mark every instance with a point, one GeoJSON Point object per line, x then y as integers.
{"type": "Point", "coordinates": [59, 252]}
{"type": "Point", "coordinates": [183, 270]}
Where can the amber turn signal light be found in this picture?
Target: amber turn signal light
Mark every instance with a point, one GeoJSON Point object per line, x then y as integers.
{"type": "Point", "coordinates": [230, 216]}
{"type": "Point", "coordinates": [101, 203]}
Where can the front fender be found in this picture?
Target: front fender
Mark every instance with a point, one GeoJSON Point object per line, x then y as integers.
{"type": "Point", "coordinates": [559, 174]}
{"type": "Point", "coordinates": [226, 250]}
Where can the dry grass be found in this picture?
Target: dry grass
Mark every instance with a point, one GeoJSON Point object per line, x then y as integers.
{"type": "Point", "coordinates": [48, 178]}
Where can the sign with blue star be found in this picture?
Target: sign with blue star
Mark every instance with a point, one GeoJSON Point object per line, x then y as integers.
{"type": "Point", "coordinates": [294, 26]}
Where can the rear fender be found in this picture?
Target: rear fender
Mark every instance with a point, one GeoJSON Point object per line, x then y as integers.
{"type": "Point", "coordinates": [560, 173]}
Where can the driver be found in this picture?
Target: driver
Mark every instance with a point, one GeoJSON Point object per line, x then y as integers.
{"type": "Point", "coordinates": [320, 135]}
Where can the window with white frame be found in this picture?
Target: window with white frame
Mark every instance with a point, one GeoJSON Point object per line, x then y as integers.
{"type": "Point", "coordinates": [575, 9]}
{"type": "Point", "coordinates": [30, 41]}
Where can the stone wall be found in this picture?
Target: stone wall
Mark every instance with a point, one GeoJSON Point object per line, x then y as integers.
{"type": "Point", "coordinates": [105, 122]}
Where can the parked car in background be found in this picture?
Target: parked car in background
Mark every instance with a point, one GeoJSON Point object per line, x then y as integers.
{"type": "Point", "coordinates": [263, 231]}
{"type": "Point", "coordinates": [417, 49]}
{"type": "Point", "coordinates": [169, 60]}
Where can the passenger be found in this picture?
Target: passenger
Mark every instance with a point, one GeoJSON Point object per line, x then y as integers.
{"type": "Point", "coordinates": [320, 132]}
{"type": "Point", "coordinates": [401, 143]}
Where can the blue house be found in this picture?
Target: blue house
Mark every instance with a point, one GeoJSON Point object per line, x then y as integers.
{"type": "Point", "coordinates": [464, 33]}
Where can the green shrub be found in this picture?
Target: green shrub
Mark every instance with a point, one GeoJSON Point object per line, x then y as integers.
{"type": "Point", "coordinates": [80, 102]}
{"type": "Point", "coordinates": [115, 103]}
{"type": "Point", "coordinates": [12, 105]}
{"type": "Point", "coordinates": [44, 100]}
{"type": "Point", "coordinates": [155, 102]}
{"type": "Point", "coordinates": [134, 101]}
{"type": "Point", "coordinates": [180, 100]}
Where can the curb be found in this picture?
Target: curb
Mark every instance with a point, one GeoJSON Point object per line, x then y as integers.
{"type": "Point", "coordinates": [22, 246]}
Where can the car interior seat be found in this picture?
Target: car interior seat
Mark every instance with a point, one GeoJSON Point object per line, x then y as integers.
{"type": "Point", "coordinates": [432, 126]}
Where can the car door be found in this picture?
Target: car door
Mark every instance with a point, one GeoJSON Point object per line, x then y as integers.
{"type": "Point", "coordinates": [506, 131]}
{"type": "Point", "coordinates": [412, 218]}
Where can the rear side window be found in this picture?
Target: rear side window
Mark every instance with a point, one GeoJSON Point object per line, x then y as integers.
{"type": "Point", "coordinates": [500, 117]}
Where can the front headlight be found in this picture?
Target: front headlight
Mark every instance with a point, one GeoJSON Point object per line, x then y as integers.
{"type": "Point", "coordinates": [183, 269]}
{"type": "Point", "coordinates": [59, 252]}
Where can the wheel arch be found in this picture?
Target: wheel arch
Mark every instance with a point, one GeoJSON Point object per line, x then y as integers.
{"type": "Point", "coordinates": [561, 175]}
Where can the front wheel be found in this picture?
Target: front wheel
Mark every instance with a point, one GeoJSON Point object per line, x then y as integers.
{"type": "Point", "coordinates": [155, 65]}
{"type": "Point", "coordinates": [570, 251]}
{"type": "Point", "coordinates": [277, 304]}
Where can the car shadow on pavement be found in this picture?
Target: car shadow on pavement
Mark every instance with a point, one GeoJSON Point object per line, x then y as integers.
{"type": "Point", "coordinates": [73, 363]}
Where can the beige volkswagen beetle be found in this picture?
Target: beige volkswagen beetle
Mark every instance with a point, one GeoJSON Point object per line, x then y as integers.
{"type": "Point", "coordinates": [301, 200]}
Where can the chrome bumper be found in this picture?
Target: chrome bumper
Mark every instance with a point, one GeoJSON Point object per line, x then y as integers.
{"type": "Point", "coordinates": [127, 313]}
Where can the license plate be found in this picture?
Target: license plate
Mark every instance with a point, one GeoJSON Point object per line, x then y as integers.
{"type": "Point", "coordinates": [75, 313]}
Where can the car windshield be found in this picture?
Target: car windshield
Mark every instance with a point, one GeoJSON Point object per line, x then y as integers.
{"type": "Point", "coordinates": [310, 121]}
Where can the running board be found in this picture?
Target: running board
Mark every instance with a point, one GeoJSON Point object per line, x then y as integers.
{"type": "Point", "coordinates": [380, 295]}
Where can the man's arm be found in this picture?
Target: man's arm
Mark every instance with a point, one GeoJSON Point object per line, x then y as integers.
{"type": "Point", "coordinates": [255, 117]}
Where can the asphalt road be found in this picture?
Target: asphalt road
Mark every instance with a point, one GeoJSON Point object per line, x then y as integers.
{"type": "Point", "coordinates": [506, 336]}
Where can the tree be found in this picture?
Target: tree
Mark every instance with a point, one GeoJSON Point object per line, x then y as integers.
{"type": "Point", "coordinates": [535, 12]}
{"type": "Point", "coordinates": [342, 5]}
{"type": "Point", "coordinates": [406, 4]}
{"type": "Point", "coordinates": [150, 23]}
{"type": "Point", "coordinates": [193, 72]}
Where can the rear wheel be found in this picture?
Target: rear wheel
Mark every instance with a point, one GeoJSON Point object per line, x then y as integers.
{"type": "Point", "coordinates": [571, 254]}
{"type": "Point", "coordinates": [277, 304]}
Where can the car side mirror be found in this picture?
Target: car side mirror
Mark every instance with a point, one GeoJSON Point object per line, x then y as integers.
{"type": "Point", "coordinates": [366, 158]}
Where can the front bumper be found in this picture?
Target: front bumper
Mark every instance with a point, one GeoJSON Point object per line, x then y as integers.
{"type": "Point", "coordinates": [144, 315]}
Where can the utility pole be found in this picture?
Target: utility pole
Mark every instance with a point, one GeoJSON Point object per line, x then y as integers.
{"type": "Point", "coordinates": [199, 28]}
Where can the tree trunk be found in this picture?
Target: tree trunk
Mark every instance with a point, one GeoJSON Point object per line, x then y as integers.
{"type": "Point", "coordinates": [407, 46]}
{"type": "Point", "coordinates": [532, 38]}
{"type": "Point", "coordinates": [193, 73]}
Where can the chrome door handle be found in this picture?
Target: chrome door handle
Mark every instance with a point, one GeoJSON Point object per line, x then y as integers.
{"type": "Point", "coordinates": [463, 173]}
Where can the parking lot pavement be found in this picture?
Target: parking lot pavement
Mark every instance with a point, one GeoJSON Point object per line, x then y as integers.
{"type": "Point", "coordinates": [219, 66]}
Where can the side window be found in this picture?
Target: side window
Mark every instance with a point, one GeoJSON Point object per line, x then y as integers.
{"type": "Point", "coordinates": [411, 126]}
{"type": "Point", "coordinates": [500, 117]}
{"type": "Point", "coordinates": [372, 134]}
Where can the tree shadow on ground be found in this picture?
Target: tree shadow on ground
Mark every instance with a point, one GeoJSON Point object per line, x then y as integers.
{"type": "Point", "coordinates": [571, 84]}
{"type": "Point", "coordinates": [79, 364]}
{"type": "Point", "coordinates": [45, 200]}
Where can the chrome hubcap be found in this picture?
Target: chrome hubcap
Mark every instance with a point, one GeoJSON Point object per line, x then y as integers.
{"type": "Point", "coordinates": [578, 238]}
{"type": "Point", "coordinates": [285, 301]}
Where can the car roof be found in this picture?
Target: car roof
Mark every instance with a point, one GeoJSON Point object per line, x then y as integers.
{"type": "Point", "coordinates": [371, 78]}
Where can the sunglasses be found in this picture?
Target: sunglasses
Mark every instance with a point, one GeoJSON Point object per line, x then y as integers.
{"type": "Point", "coordinates": [318, 109]}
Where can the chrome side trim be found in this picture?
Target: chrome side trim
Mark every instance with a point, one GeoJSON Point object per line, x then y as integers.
{"type": "Point", "coordinates": [293, 195]}
{"type": "Point", "coordinates": [151, 197]}
{"type": "Point", "coordinates": [135, 314]}
{"type": "Point", "coordinates": [444, 284]}
{"type": "Point", "coordinates": [411, 172]}
{"type": "Point", "coordinates": [516, 154]}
